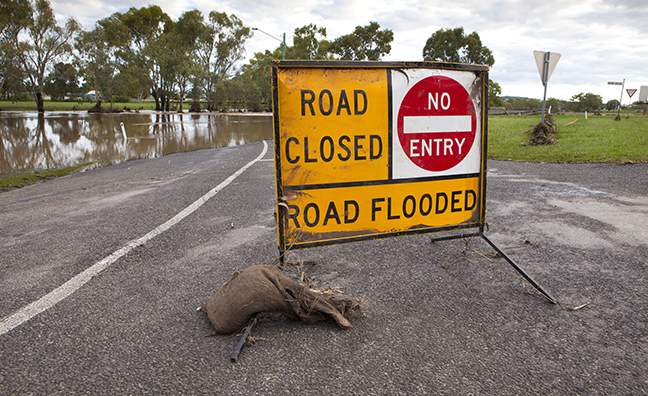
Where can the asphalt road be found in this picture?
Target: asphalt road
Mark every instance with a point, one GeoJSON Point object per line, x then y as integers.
{"type": "Point", "coordinates": [440, 318]}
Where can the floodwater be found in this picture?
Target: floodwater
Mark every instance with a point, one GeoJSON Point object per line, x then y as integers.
{"type": "Point", "coordinates": [60, 139]}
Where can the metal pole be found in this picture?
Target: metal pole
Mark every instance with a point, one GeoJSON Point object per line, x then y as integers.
{"type": "Point", "coordinates": [629, 100]}
{"type": "Point", "coordinates": [283, 42]}
{"type": "Point", "coordinates": [545, 73]}
{"type": "Point", "coordinates": [621, 98]}
{"type": "Point", "coordinates": [284, 46]}
{"type": "Point", "coordinates": [520, 270]}
{"type": "Point", "coordinates": [244, 337]}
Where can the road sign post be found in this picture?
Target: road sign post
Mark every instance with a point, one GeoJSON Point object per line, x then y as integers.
{"type": "Point", "coordinates": [630, 92]}
{"type": "Point", "coordinates": [546, 62]}
{"type": "Point", "coordinates": [622, 84]}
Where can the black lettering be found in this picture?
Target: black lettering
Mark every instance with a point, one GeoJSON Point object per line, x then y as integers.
{"type": "Point", "coordinates": [326, 158]}
{"type": "Point", "coordinates": [331, 213]}
{"type": "Point", "coordinates": [345, 148]}
{"type": "Point", "coordinates": [406, 213]}
{"type": "Point", "coordinates": [291, 160]}
{"type": "Point", "coordinates": [292, 216]}
{"type": "Point", "coordinates": [374, 208]}
{"type": "Point", "coordinates": [427, 211]}
{"type": "Point", "coordinates": [474, 200]}
{"type": "Point", "coordinates": [455, 200]}
{"type": "Point", "coordinates": [308, 102]}
{"type": "Point", "coordinates": [355, 99]}
{"type": "Point", "coordinates": [357, 147]}
{"type": "Point", "coordinates": [445, 203]}
{"type": "Point", "coordinates": [347, 219]}
{"type": "Point", "coordinates": [330, 102]}
{"type": "Point", "coordinates": [306, 152]}
{"type": "Point", "coordinates": [317, 214]}
{"type": "Point", "coordinates": [344, 103]}
{"type": "Point", "coordinates": [371, 147]}
{"type": "Point", "coordinates": [389, 214]}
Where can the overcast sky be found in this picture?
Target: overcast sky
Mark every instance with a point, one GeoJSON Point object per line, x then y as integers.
{"type": "Point", "coordinates": [599, 40]}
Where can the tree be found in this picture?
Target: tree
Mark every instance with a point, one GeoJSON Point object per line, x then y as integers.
{"type": "Point", "coordinates": [186, 32]}
{"type": "Point", "coordinates": [220, 46]}
{"type": "Point", "coordinates": [365, 43]}
{"type": "Point", "coordinates": [612, 104]}
{"type": "Point", "coordinates": [306, 44]}
{"type": "Point", "coordinates": [15, 16]}
{"type": "Point", "coordinates": [62, 80]}
{"type": "Point", "coordinates": [47, 43]}
{"type": "Point", "coordinates": [452, 45]}
{"type": "Point", "coordinates": [145, 27]}
{"type": "Point", "coordinates": [586, 102]}
{"type": "Point", "coordinates": [255, 80]}
{"type": "Point", "coordinates": [97, 54]}
{"type": "Point", "coordinates": [494, 92]}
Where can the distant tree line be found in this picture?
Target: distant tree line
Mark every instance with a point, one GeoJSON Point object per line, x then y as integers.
{"type": "Point", "coordinates": [143, 53]}
{"type": "Point", "coordinates": [577, 103]}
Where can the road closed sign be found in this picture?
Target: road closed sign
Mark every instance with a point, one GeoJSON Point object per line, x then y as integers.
{"type": "Point", "coordinates": [367, 150]}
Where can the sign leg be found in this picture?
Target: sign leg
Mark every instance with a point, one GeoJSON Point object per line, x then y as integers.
{"type": "Point", "coordinates": [520, 270]}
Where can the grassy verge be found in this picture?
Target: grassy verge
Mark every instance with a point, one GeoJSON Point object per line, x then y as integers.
{"type": "Point", "coordinates": [72, 106]}
{"type": "Point", "coordinates": [595, 139]}
{"type": "Point", "coordinates": [19, 179]}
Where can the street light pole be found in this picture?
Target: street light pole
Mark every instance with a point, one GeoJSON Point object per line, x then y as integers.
{"type": "Point", "coordinates": [283, 42]}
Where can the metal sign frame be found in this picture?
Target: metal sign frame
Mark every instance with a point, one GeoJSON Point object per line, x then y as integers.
{"type": "Point", "coordinates": [283, 201]}
{"type": "Point", "coordinates": [285, 193]}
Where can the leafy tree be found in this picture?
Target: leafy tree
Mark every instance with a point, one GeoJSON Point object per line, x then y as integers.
{"type": "Point", "coordinates": [307, 45]}
{"type": "Point", "coordinates": [220, 46]}
{"type": "Point", "coordinates": [97, 54]}
{"type": "Point", "coordinates": [612, 104]}
{"type": "Point", "coordinates": [186, 32]}
{"type": "Point", "coordinates": [494, 92]}
{"type": "Point", "coordinates": [61, 81]}
{"type": "Point", "coordinates": [145, 27]}
{"type": "Point", "coordinates": [365, 43]}
{"type": "Point", "coordinates": [46, 44]}
{"type": "Point", "coordinates": [15, 16]}
{"type": "Point", "coordinates": [452, 45]}
{"type": "Point", "coordinates": [586, 102]}
{"type": "Point", "coordinates": [255, 80]}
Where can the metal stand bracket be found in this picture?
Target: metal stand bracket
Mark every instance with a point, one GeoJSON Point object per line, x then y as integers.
{"type": "Point", "coordinates": [531, 281]}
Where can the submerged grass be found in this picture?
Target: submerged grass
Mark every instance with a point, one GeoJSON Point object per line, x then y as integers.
{"type": "Point", "coordinates": [595, 139]}
{"type": "Point", "coordinates": [19, 179]}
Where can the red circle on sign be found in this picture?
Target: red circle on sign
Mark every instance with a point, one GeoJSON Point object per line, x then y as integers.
{"type": "Point", "coordinates": [436, 123]}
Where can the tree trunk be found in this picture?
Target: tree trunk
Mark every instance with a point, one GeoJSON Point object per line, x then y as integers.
{"type": "Point", "coordinates": [157, 100]}
{"type": "Point", "coordinates": [39, 102]}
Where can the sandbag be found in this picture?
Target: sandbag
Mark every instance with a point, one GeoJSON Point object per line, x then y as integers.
{"type": "Point", "coordinates": [265, 288]}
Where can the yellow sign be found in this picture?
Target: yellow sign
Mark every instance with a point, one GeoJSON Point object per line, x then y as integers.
{"type": "Point", "coordinates": [333, 125]}
{"type": "Point", "coordinates": [368, 150]}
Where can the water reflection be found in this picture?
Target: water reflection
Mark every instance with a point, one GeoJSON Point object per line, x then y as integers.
{"type": "Point", "coordinates": [54, 140]}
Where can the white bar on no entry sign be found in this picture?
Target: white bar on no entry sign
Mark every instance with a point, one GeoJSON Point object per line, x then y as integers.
{"type": "Point", "coordinates": [436, 124]}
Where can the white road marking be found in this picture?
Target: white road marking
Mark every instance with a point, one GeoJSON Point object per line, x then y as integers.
{"type": "Point", "coordinates": [60, 293]}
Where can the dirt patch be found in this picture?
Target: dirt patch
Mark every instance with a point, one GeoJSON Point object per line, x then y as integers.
{"type": "Point", "coordinates": [544, 133]}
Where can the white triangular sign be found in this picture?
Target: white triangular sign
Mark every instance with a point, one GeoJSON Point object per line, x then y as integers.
{"type": "Point", "coordinates": [631, 92]}
{"type": "Point", "coordinates": [541, 61]}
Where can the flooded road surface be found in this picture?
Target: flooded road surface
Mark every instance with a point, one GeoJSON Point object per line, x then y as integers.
{"type": "Point", "coordinates": [60, 139]}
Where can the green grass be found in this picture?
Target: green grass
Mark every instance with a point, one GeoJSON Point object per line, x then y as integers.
{"type": "Point", "coordinates": [72, 106]}
{"type": "Point", "coordinates": [595, 139]}
{"type": "Point", "coordinates": [19, 179]}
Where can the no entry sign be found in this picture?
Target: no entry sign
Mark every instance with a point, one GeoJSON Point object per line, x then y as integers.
{"type": "Point", "coordinates": [437, 123]}
{"type": "Point", "coordinates": [368, 150]}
